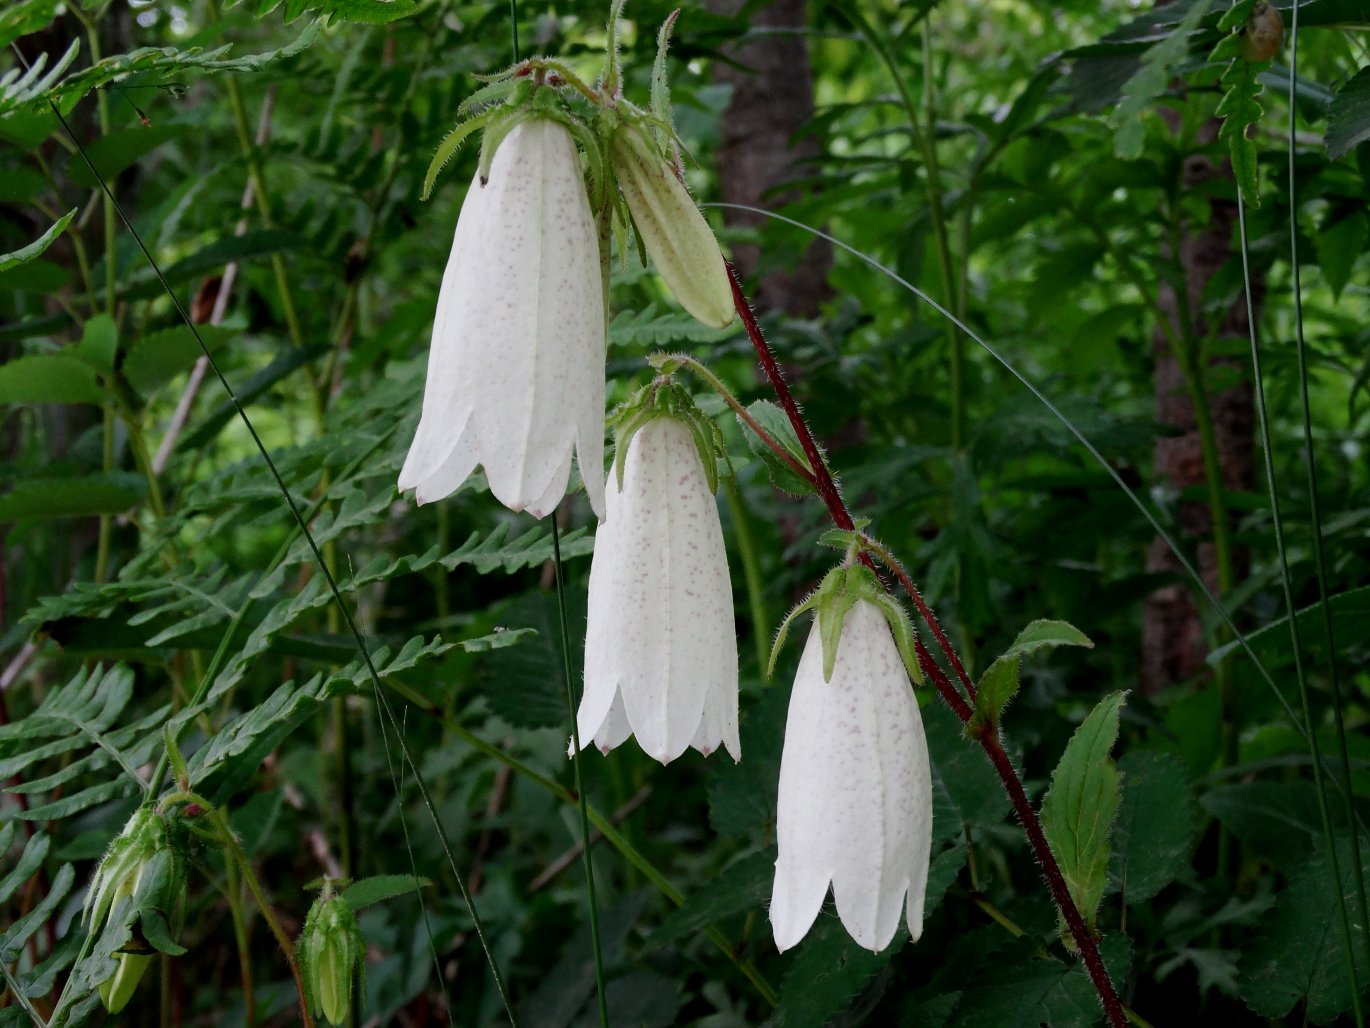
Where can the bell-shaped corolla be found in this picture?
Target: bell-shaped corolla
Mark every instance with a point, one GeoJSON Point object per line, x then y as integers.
{"type": "Point", "coordinates": [855, 805]}
{"type": "Point", "coordinates": [516, 366]}
{"type": "Point", "coordinates": [661, 644]}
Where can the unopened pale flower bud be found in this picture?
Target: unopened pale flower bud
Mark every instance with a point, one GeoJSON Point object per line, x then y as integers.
{"type": "Point", "coordinates": [678, 239]}
{"type": "Point", "coordinates": [330, 949]}
{"type": "Point", "coordinates": [118, 988]}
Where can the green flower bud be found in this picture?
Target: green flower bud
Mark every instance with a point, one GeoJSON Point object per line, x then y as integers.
{"type": "Point", "coordinates": [124, 864]}
{"type": "Point", "coordinates": [118, 989]}
{"type": "Point", "coordinates": [679, 240]}
{"type": "Point", "coordinates": [330, 948]}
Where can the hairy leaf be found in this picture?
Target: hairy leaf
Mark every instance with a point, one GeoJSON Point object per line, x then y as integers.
{"type": "Point", "coordinates": [1079, 808]}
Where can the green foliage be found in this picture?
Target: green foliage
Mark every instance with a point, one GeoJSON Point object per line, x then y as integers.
{"type": "Point", "coordinates": [1348, 119]}
{"type": "Point", "coordinates": [1240, 108]}
{"type": "Point", "coordinates": [34, 249]}
{"type": "Point", "coordinates": [372, 12]}
{"type": "Point", "coordinates": [1295, 957]}
{"type": "Point", "coordinates": [999, 684]}
{"type": "Point", "coordinates": [1079, 809]}
{"type": "Point", "coordinates": [1159, 65]}
{"type": "Point", "coordinates": [1154, 831]}
{"type": "Point", "coordinates": [828, 974]}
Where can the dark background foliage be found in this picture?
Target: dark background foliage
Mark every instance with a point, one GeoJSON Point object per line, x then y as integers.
{"type": "Point", "coordinates": [1007, 159]}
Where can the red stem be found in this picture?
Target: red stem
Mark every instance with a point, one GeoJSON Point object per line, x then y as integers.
{"type": "Point", "coordinates": [988, 740]}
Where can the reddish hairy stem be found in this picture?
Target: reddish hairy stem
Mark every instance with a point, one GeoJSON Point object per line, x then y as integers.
{"type": "Point", "coordinates": [988, 740]}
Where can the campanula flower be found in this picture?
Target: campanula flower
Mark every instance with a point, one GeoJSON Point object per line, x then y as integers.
{"type": "Point", "coordinates": [516, 367]}
{"type": "Point", "coordinates": [855, 804]}
{"type": "Point", "coordinates": [661, 644]}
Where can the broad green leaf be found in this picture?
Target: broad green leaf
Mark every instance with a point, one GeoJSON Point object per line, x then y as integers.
{"type": "Point", "coordinates": [965, 790]}
{"type": "Point", "coordinates": [1079, 808]}
{"type": "Point", "coordinates": [1296, 955]}
{"type": "Point", "coordinates": [35, 248]}
{"type": "Point", "coordinates": [377, 888]}
{"type": "Point", "coordinates": [1154, 832]}
{"type": "Point", "coordinates": [49, 378]}
{"type": "Point", "coordinates": [1276, 821]}
{"type": "Point", "coordinates": [99, 343]}
{"type": "Point", "coordinates": [118, 151]}
{"type": "Point", "coordinates": [828, 974]}
{"type": "Point", "coordinates": [1043, 634]}
{"type": "Point", "coordinates": [775, 424]}
{"type": "Point", "coordinates": [153, 360]}
{"type": "Point", "coordinates": [84, 496]}
{"type": "Point", "coordinates": [1158, 68]}
{"type": "Point", "coordinates": [1339, 245]}
{"type": "Point", "coordinates": [1019, 988]}
{"type": "Point", "coordinates": [21, 17]}
{"type": "Point", "coordinates": [1348, 121]}
{"type": "Point", "coordinates": [1271, 643]}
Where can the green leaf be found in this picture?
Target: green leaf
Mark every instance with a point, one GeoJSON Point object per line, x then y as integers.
{"type": "Point", "coordinates": [78, 497]}
{"type": "Point", "coordinates": [1348, 120]}
{"type": "Point", "coordinates": [1079, 808]}
{"type": "Point", "coordinates": [828, 974]}
{"type": "Point", "coordinates": [738, 889]}
{"type": "Point", "coordinates": [742, 796]}
{"type": "Point", "coordinates": [367, 12]}
{"type": "Point", "coordinates": [156, 359]}
{"type": "Point", "coordinates": [27, 253]}
{"type": "Point", "coordinates": [49, 378]}
{"type": "Point", "coordinates": [775, 424]}
{"type": "Point", "coordinates": [965, 790]}
{"type": "Point", "coordinates": [143, 68]}
{"type": "Point", "coordinates": [526, 685]}
{"type": "Point", "coordinates": [1338, 244]}
{"type": "Point", "coordinates": [99, 343]}
{"type": "Point", "coordinates": [378, 888]}
{"type": "Point", "coordinates": [21, 17]}
{"type": "Point", "coordinates": [1159, 66]}
{"type": "Point", "coordinates": [1271, 643]}
{"type": "Point", "coordinates": [1021, 989]}
{"type": "Point", "coordinates": [28, 864]}
{"type": "Point", "coordinates": [253, 244]}
{"type": "Point", "coordinates": [35, 85]}
{"type": "Point", "coordinates": [1240, 109]}
{"type": "Point", "coordinates": [1296, 954]}
{"type": "Point", "coordinates": [118, 151]}
{"type": "Point", "coordinates": [1155, 828]}
{"type": "Point", "coordinates": [999, 684]}
{"type": "Point", "coordinates": [653, 328]}
{"type": "Point", "coordinates": [1276, 821]}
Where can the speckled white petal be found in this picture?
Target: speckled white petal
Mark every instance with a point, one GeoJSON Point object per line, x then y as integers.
{"type": "Point", "coordinates": [516, 374]}
{"type": "Point", "coordinates": [661, 634]}
{"type": "Point", "coordinates": [855, 803]}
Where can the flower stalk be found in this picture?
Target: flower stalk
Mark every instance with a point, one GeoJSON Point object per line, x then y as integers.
{"type": "Point", "coordinates": [990, 741]}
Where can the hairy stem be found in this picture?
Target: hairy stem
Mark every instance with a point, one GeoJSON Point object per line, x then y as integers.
{"type": "Point", "coordinates": [989, 741]}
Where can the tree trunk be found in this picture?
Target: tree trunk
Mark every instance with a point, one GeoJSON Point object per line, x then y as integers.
{"type": "Point", "coordinates": [761, 151]}
{"type": "Point", "coordinates": [1173, 646]}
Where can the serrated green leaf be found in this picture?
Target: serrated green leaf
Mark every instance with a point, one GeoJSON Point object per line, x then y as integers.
{"type": "Point", "coordinates": [49, 378]}
{"type": "Point", "coordinates": [653, 328]}
{"type": "Point", "coordinates": [27, 253]}
{"type": "Point", "coordinates": [367, 12]}
{"type": "Point", "coordinates": [153, 360]}
{"type": "Point", "coordinates": [775, 424]}
{"type": "Point", "coordinates": [1296, 954]}
{"type": "Point", "coordinates": [1348, 120]}
{"type": "Point", "coordinates": [1239, 108]}
{"type": "Point", "coordinates": [1079, 808]}
{"type": "Point", "coordinates": [996, 688]}
{"type": "Point", "coordinates": [113, 493]}
{"type": "Point", "coordinates": [1155, 828]}
{"type": "Point", "coordinates": [378, 888]}
{"type": "Point", "coordinates": [828, 974]}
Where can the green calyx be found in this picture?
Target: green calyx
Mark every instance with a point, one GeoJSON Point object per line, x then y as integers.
{"type": "Point", "coordinates": [330, 950]}
{"type": "Point", "coordinates": [663, 398]}
{"type": "Point", "coordinates": [835, 596]}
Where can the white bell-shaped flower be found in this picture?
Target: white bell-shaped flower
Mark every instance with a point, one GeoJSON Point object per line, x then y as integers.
{"type": "Point", "coordinates": [661, 644]}
{"type": "Point", "coordinates": [855, 805]}
{"type": "Point", "coordinates": [516, 367]}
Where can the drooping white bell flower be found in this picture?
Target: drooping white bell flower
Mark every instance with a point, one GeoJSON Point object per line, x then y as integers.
{"type": "Point", "coordinates": [516, 367]}
{"type": "Point", "coordinates": [661, 644]}
{"type": "Point", "coordinates": [855, 804]}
